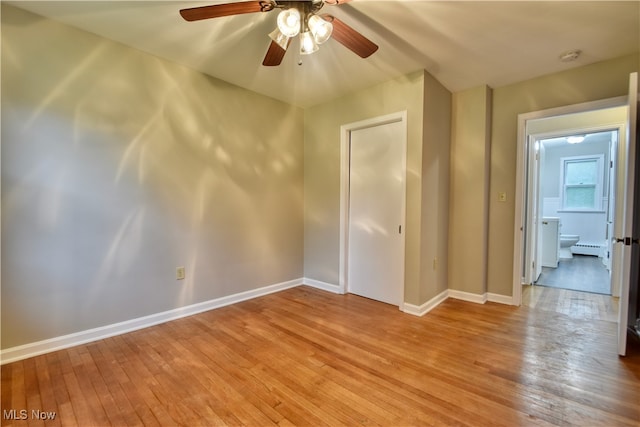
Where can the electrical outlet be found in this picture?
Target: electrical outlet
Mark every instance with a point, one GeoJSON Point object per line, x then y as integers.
{"type": "Point", "coordinates": [180, 273]}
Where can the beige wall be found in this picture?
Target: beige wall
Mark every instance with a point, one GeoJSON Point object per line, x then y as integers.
{"type": "Point", "coordinates": [117, 167]}
{"type": "Point", "coordinates": [322, 172]}
{"type": "Point", "coordinates": [479, 246]}
{"type": "Point", "coordinates": [589, 83]}
{"type": "Point", "coordinates": [469, 208]}
{"type": "Point", "coordinates": [427, 150]}
{"type": "Point", "coordinates": [434, 207]}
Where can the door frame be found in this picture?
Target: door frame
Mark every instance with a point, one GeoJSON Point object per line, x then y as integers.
{"type": "Point", "coordinates": [345, 169]}
{"type": "Point", "coordinates": [524, 139]}
{"type": "Point", "coordinates": [532, 242]}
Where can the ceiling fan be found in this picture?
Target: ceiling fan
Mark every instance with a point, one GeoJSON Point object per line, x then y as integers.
{"type": "Point", "coordinates": [297, 17]}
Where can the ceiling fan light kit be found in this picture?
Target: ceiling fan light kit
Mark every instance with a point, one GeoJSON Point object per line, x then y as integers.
{"type": "Point", "coordinates": [313, 30]}
{"type": "Point", "coordinates": [308, 44]}
{"type": "Point", "coordinates": [289, 22]}
{"type": "Point", "coordinates": [282, 40]}
{"type": "Point", "coordinates": [295, 18]}
{"type": "Point", "coordinates": [320, 29]}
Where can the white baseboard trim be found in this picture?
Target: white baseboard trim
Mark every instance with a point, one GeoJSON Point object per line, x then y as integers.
{"type": "Point", "coordinates": [481, 298]}
{"type": "Point", "coordinates": [329, 287]}
{"type": "Point", "coordinates": [421, 310]}
{"type": "Point", "coordinates": [500, 299]}
{"type": "Point", "coordinates": [25, 351]}
{"type": "Point", "coordinates": [468, 296]}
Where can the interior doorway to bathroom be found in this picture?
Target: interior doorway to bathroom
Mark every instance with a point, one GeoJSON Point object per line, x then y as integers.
{"type": "Point", "coordinates": [567, 190]}
{"type": "Point", "coordinates": [569, 193]}
{"type": "Point", "coordinates": [574, 205]}
{"type": "Point", "coordinates": [621, 114]}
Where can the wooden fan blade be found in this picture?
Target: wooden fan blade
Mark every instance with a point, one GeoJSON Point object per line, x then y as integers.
{"type": "Point", "coordinates": [350, 38]}
{"type": "Point", "coordinates": [228, 9]}
{"type": "Point", "coordinates": [274, 54]}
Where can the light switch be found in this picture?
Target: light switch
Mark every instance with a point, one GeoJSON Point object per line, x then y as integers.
{"type": "Point", "coordinates": [502, 196]}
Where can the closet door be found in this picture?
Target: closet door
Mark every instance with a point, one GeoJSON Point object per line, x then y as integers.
{"type": "Point", "coordinates": [376, 213]}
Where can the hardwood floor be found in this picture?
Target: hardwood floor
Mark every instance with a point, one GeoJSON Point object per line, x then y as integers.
{"type": "Point", "coordinates": [307, 357]}
{"type": "Point", "coordinates": [578, 305]}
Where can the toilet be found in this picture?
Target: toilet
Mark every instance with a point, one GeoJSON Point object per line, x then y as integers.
{"type": "Point", "coordinates": [566, 241]}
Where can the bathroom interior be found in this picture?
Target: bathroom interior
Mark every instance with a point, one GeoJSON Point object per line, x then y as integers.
{"type": "Point", "coordinates": [576, 207]}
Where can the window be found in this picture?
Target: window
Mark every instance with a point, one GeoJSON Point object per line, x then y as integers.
{"type": "Point", "coordinates": [582, 183]}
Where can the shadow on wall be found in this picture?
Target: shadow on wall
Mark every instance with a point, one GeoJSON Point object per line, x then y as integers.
{"type": "Point", "coordinates": [117, 167]}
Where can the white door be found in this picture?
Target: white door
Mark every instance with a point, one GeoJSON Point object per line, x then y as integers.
{"type": "Point", "coordinates": [624, 231]}
{"type": "Point", "coordinates": [375, 260]}
{"type": "Point", "coordinates": [533, 258]}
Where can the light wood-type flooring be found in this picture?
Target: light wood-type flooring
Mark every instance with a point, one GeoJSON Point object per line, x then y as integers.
{"type": "Point", "coordinates": [307, 357]}
{"type": "Point", "coordinates": [575, 304]}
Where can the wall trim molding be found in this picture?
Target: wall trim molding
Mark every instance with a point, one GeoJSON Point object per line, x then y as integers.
{"type": "Point", "coordinates": [500, 299]}
{"type": "Point", "coordinates": [25, 351]}
{"type": "Point", "coordinates": [421, 310]}
{"type": "Point", "coordinates": [468, 296]}
{"type": "Point", "coordinates": [481, 298]}
{"type": "Point", "coordinates": [324, 286]}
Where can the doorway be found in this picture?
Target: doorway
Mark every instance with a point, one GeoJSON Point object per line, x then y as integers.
{"type": "Point", "coordinates": [573, 210]}
{"type": "Point", "coordinates": [594, 117]}
{"type": "Point", "coordinates": [622, 114]}
{"type": "Point", "coordinates": [373, 195]}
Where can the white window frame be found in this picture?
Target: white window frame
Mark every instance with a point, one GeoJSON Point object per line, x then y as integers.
{"type": "Point", "coordinates": [599, 182]}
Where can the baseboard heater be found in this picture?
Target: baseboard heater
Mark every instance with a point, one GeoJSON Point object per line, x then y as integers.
{"type": "Point", "coordinates": [587, 249]}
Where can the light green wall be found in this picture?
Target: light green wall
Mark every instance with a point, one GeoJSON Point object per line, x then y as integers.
{"type": "Point", "coordinates": [117, 167]}
{"type": "Point", "coordinates": [469, 207]}
{"type": "Point", "coordinates": [427, 194]}
{"type": "Point", "coordinates": [589, 83]}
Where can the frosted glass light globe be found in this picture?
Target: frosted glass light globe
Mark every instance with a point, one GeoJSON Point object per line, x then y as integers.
{"type": "Point", "coordinates": [289, 22]}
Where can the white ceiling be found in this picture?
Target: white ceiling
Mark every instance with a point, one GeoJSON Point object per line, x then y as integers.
{"type": "Point", "coordinates": [463, 44]}
{"type": "Point", "coordinates": [590, 138]}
